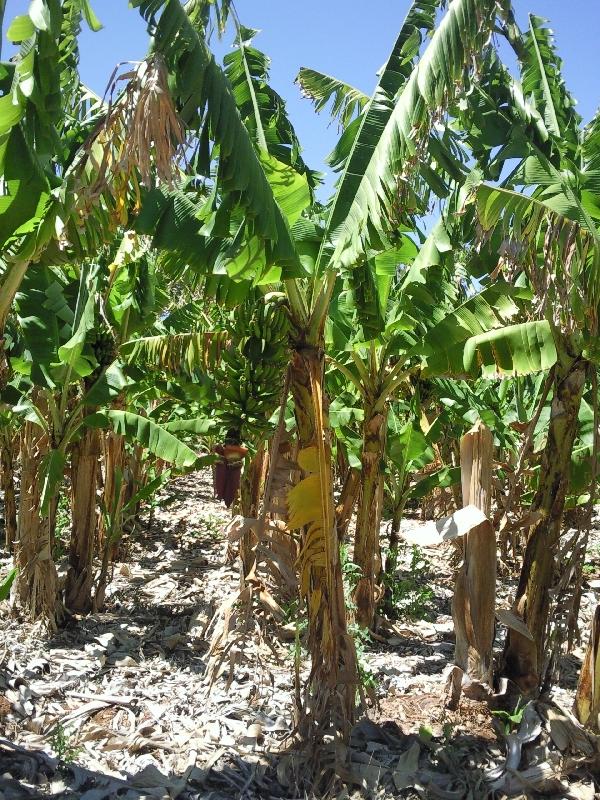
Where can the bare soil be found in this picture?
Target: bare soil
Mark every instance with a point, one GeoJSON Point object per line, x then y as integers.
{"type": "Point", "coordinates": [117, 704]}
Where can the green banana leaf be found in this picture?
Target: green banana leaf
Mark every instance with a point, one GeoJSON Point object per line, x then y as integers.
{"type": "Point", "coordinates": [514, 350]}
{"type": "Point", "coordinates": [152, 436]}
{"type": "Point", "coordinates": [412, 87]}
{"type": "Point", "coordinates": [206, 99]}
{"type": "Point", "coordinates": [6, 583]}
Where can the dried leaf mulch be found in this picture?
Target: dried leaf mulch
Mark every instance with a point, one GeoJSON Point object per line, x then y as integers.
{"type": "Point", "coordinates": [117, 703]}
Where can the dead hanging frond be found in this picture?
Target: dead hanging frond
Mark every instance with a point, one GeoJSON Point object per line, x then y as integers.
{"type": "Point", "coordinates": [178, 353]}
{"type": "Point", "coordinates": [561, 255]}
{"type": "Point", "coordinates": [138, 140]}
{"type": "Point", "coordinates": [330, 691]}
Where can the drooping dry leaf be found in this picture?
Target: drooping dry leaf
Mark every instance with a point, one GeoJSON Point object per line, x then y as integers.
{"type": "Point", "coordinates": [460, 523]}
{"type": "Point", "coordinates": [512, 620]}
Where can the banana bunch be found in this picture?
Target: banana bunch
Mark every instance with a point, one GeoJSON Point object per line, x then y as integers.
{"type": "Point", "coordinates": [250, 375]}
{"type": "Point", "coordinates": [103, 346]}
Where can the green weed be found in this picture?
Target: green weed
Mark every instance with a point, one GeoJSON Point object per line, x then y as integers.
{"type": "Point", "coordinates": [350, 576]}
{"type": "Point", "coordinates": [411, 596]}
{"type": "Point", "coordinates": [61, 743]}
{"type": "Point", "coordinates": [511, 720]}
{"type": "Point", "coordinates": [62, 526]}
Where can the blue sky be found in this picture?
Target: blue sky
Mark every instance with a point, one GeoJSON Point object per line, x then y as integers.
{"type": "Point", "coordinates": [340, 37]}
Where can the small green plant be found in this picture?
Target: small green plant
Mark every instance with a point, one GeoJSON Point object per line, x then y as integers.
{"type": "Point", "coordinates": [448, 730]}
{"type": "Point", "coordinates": [212, 526]}
{"type": "Point", "coordinates": [61, 743]}
{"type": "Point", "coordinates": [292, 611]}
{"type": "Point", "coordinates": [362, 639]}
{"type": "Point", "coordinates": [511, 720]}
{"type": "Point", "coordinates": [6, 583]}
{"type": "Point", "coordinates": [350, 576]}
{"type": "Point", "coordinates": [425, 733]}
{"type": "Point", "coordinates": [411, 596]}
{"type": "Point", "coordinates": [62, 526]}
{"type": "Point", "coordinates": [592, 566]}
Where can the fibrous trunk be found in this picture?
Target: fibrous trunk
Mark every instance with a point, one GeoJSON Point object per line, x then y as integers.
{"type": "Point", "coordinates": [251, 483]}
{"type": "Point", "coordinates": [37, 582]}
{"type": "Point", "coordinates": [525, 659]}
{"type": "Point", "coordinates": [368, 521]}
{"type": "Point", "coordinates": [473, 607]}
{"type": "Point", "coordinates": [114, 485]}
{"type": "Point", "coordinates": [7, 477]}
{"type": "Point", "coordinates": [84, 469]}
{"type": "Point", "coordinates": [330, 695]}
{"type": "Point", "coordinates": [113, 497]}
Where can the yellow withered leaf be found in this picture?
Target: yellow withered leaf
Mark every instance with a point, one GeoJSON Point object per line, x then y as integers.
{"type": "Point", "coordinates": [308, 459]}
{"type": "Point", "coordinates": [312, 556]}
{"type": "Point", "coordinates": [304, 502]}
{"type": "Point", "coordinates": [314, 601]}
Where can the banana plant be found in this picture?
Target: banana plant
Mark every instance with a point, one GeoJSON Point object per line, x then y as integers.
{"type": "Point", "coordinates": [67, 380]}
{"type": "Point", "coordinates": [71, 166]}
{"type": "Point", "coordinates": [544, 217]}
{"type": "Point", "coordinates": [427, 327]}
{"type": "Point", "coordinates": [243, 231]}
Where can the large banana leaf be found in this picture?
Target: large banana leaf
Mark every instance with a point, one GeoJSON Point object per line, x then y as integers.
{"type": "Point", "coordinates": [198, 426]}
{"type": "Point", "coordinates": [543, 80]}
{"type": "Point", "coordinates": [261, 108]}
{"type": "Point", "coordinates": [176, 352]}
{"type": "Point", "coordinates": [406, 446]}
{"type": "Point", "coordinates": [442, 346]}
{"type": "Point", "coordinates": [26, 189]}
{"type": "Point", "coordinates": [152, 436]}
{"type": "Point", "coordinates": [70, 353]}
{"type": "Point", "coordinates": [514, 350]}
{"type": "Point", "coordinates": [565, 241]}
{"type": "Point", "coordinates": [38, 327]}
{"type": "Point", "coordinates": [347, 102]}
{"type": "Point", "coordinates": [205, 98]}
{"type": "Point", "coordinates": [399, 117]}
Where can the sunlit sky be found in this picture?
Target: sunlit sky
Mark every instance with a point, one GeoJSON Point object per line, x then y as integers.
{"type": "Point", "coordinates": [345, 38]}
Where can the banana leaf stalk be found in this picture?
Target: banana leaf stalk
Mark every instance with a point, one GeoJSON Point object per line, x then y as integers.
{"type": "Point", "coordinates": [370, 508]}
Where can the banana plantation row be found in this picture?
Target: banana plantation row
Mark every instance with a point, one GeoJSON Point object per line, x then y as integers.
{"type": "Point", "coordinates": [170, 285]}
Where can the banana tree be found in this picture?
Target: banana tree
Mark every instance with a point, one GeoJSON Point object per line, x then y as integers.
{"type": "Point", "coordinates": [560, 256]}
{"type": "Point", "coordinates": [424, 327]}
{"type": "Point", "coordinates": [74, 379]}
{"type": "Point", "coordinates": [543, 221]}
{"type": "Point", "coordinates": [242, 231]}
{"type": "Point", "coordinates": [72, 166]}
